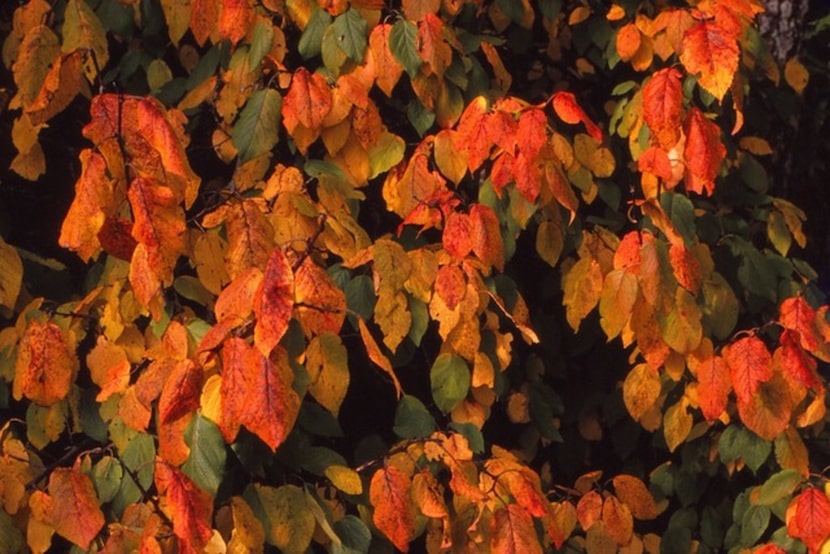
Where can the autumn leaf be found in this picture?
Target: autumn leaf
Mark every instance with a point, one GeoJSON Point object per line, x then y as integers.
{"type": "Point", "coordinates": [274, 302]}
{"type": "Point", "coordinates": [712, 53]}
{"type": "Point", "coordinates": [388, 70]}
{"type": "Point", "coordinates": [714, 384]}
{"type": "Point", "coordinates": [750, 364]}
{"type": "Point", "coordinates": [457, 236]}
{"type": "Point", "coordinates": [795, 314]}
{"type": "Point", "coordinates": [188, 507]}
{"type": "Point", "coordinates": [810, 520]}
{"type": "Point", "coordinates": [663, 106]}
{"type": "Point", "coordinates": [473, 132]}
{"type": "Point", "coordinates": [74, 509]}
{"type": "Point", "coordinates": [619, 293]}
{"type": "Point", "coordinates": [486, 238]}
{"type": "Point", "coordinates": [768, 411]}
{"type": "Point", "coordinates": [628, 41]}
{"type": "Point", "coordinates": [618, 520]}
{"type": "Point", "coordinates": [328, 371]}
{"type": "Point", "coordinates": [236, 18]}
{"type": "Point", "coordinates": [641, 389]}
{"type": "Point", "coordinates": [46, 364]}
{"type": "Point", "coordinates": [181, 391]}
{"type": "Point", "coordinates": [394, 513]}
{"type": "Point", "coordinates": [377, 356]}
{"type": "Point", "coordinates": [256, 392]}
{"type": "Point", "coordinates": [569, 111]}
{"type": "Point", "coordinates": [432, 48]}
{"type": "Point", "coordinates": [512, 532]}
{"type": "Point", "coordinates": [582, 285]}
{"type": "Point", "coordinates": [635, 495]}
{"type": "Point", "coordinates": [204, 17]}
{"type": "Point", "coordinates": [82, 30]}
{"type": "Point", "coordinates": [704, 152]}
{"type": "Point", "coordinates": [308, 101]}
{"type": "Point", "coordinates": [11, 275]}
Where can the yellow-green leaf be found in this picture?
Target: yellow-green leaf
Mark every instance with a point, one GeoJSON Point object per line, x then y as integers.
{"type": "Point", "coordinates": [82, 30]}
{"type": "Point", "coordinates": [328, 371]}
{"type": "Point", "coordinates": [619, 292]}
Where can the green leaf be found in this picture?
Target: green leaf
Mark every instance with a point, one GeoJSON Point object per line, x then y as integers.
{"type": "Point", "coordinates": [312, 37]}
{"type": "Point", "coordinates": [138, 458]}
{"type": "Point", "coordinates": [682, 213]}
{"type": "Point", "coordinates": [354, 534]}
{"type": "Point", "coordinates": [260, 43]}
{"type": "Point", "coordinates": [402, 40]}
{"type": "Point", "coordinates": [780, 485]}
{"type": "Point", "coordinates": [472, 433]}
{"type": "Point", "coordinates": [106, 476]}
{"type": "Point", "coordinates": [10, 536]}
{"type": "Point", "coordinates": [419, 116]}
{"type": "Point", "coordinates": [412, 419]}
{"type": "Point", "coordinates": [753, 524]}
{"type": "Point", "coordinates": [206, 463]}
{"type": "Point", "coordinates": [738, 442]}
{"type": "Point", "coordinates": [255, 132]}
{"type": "Point", "coordinates": [351, 31]}
{"type": "Point", "coordinates": [450, 381]}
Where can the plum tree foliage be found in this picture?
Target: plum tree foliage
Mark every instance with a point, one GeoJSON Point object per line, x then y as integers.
{"type": "Point", "coordinates": [439, 275]}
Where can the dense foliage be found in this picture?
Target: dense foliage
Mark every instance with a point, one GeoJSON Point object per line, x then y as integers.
{"type": "Point", "coordinates": [501, 276]}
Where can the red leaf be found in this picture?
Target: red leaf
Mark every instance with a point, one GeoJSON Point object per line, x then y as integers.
{"type": "Point", "coordinates": [797, 315]}
{"type": "Point", "coordinates": [656, 161]}
{"type": "Point", "coordinates": [569, 111]}
{"type": "Point", "coordinates": [45, 365]}
{"type": "Point", "coordinates": [811, 521]}
{"type": "Point", "coordinates": [663, 106]}
{"type": "Point", "coordinates": [704, 153]}
{"type": "Point", "coordinates": [627, 255]}
{"type": "Point", "coordinates": [488, 245]}
{"type": "Point", "coordinates": [116, 238]}
{"type": "Point", "coordinates": [432, 48]}
{"type": "Point", "coordinates": [181, 392]}
{"type": "Point", "coordinates": [308, 101]}
{"type": "Point", "coordinates": [686, 267]}
{"type": "Point", "coordinates": [188, 507]}
{"type": "Point", "coordinates": [457, 236]}
{"type": "Point", "coordinates": [236, 19]}
{"type": "Point", "coordinates": [74, 511]}
{"type": "Point", "coordinates": [256, 392]}
{"type": "Point", "coordinates": [795, 362]}
{"type": "Point", "coordinates": [532, 132]}
{"type": "Point", "coordinates": [204, 15]}
{"type": "Point", "coordinates": [450, 285]}
{"type": "Point", "coordinates": [321, 305]}
{"type": "Point", "coordinates": [711, 52]}
{"type": "Point", "coordinates": [274, 302]}
{"type": "Point", "coordinates": [750, 364]}
{"type": "Point", "coordinates": [394, 514]}
{"type": "Point", "coordinates": [474, 134]}
{"type": "Point", "coordinates": [713, 387]}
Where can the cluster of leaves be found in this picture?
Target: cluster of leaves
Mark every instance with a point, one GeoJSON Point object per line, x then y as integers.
{"type": "Point", "coordinates": [384, 188]}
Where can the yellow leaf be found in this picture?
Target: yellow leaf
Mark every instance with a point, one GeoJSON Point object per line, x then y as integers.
{"type": "Point", "coordinates": [177, 16]}
{"type": "Point", "coordinates": [345, 479]}
{"type": "Point", "coordinates": [289, 521]}
{"type": "Point", "coordinates": [796, 75]}
{"type": "Point", "coordinates": [677, 424]}
{"type": "Point", "coordinates": [82, 30]}
{"type": "Point", "coordinates": [582, 285]}
{"type": "Point", "coordinates": [619, 292]}
{"type": "Point", "coordinates": [451, 162]}
{"type": "Point", "coordinates": [11, 275]}
{"type": "Point", "coordinates": [328, 371]}
{"type": "Point", "coordinates": [641, 390]}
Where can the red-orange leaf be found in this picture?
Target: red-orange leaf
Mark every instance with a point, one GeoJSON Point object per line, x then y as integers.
{"type": "Point", "coordinates": [457, 236]}
{"type": "Point", "coordinates": [569, 111]}
{"type": "Point", "coordinates": [797, 315]}
{"type": "Point", "coordinates": [589, 509]}
{"type": "Point", "coordinates": [387, 67]}
{"type": "Point", "coordinates": [92, 203]}
{"type": "Point", "coordinates": [321, 305]}
{"type": "Point", "coordinates": [236, 19]}
{"type": "Point", "coordinates": [794, 361]}
{"type": "Point", "coordinates": [634, 494]}
{"type": "Point", "coordinates": [811, 520]}
{"type": "Point", "coordinates": [308, 101]}
{"type": "Point", "coordinates": [378, 357]}
{"type": "Point", "coordinates": [713, 386]}
{"type": "Point", "coordinates": [256, 392]}
{"type": "Point", "coordinates": [250, 237]}
{"type": "Point", "coordinates": [274, 302]}
{"type": "Point", "coordinates": [663, 106]}
{"type": "Point", "coordinates": [512, 532]}
{"type": "Point", "coordinates": [704, 153]}
{"type": "Point", "coordinates": [45, 366]}
{"type": "Point", "coordinates": [74, 510]}
{"type": "Point", "coordinates": [768, 411]}
{"type": "Point", "coordinates": [394, 514]}
{"type": "Point", "coordinates": [712, 52]}
{"type": "Point", "coordinates": [432, 48]}
{"type": "Point", "coordinates": [686, 267]}
{"type": "Point", "coordinates": [656, 161]}
{"type": "Point", "coordinates": [181, 392]}
{"type": "Point", "coordinates": [488, 244]}
{"type": "Point", "coordinates": [204, 15]}
{"type": "Point", "coordinates": [750, 364]}
{"type": "Point", "coordinates": [473, 133]}
{"type": "Point", "coordinates": [188, 507]}
{"type": "Point", "coordinates": [531, 133]}
{"type": "Point", "coordinates": [628, 41]}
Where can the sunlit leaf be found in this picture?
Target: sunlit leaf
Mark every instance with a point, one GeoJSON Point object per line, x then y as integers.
{"type": "Point", "coordinates": [188, 507]}
{"type": "Point", "coordinates": [394, 513]}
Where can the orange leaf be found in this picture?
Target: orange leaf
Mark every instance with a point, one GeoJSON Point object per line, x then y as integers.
{"type": "Point", "coordinates": [473, 132]}
{"type": "Point", "coordinates": [45, 366]}
{"type": "Point", "coordinates": [794, 361]}
{"type": "Point", "coordinates": [159, 225]}
{"type": "Point", "coordinates": [427, 494]}
{"type": "Point", "coordinates": [109, 368]}
{"type": "Point", "coordinates": [321, 305]}
{"type": "Point", "coordinates": [712, 52]}
{"type": "Point", "coordinates": [750, 364]}
{"type": "Point", "coordinates": [308, 101]}
{"type": "Point", "coordinates": [250, 237]}
{"type": "Point", "coordinates": [236, 19]}
{"type": "Point", "coordinates": [485, 230]}
{"type": "Point", "coordinates": [450, 285]}
{"type": "Point", "coordinates": [811, 520]}
{"type": "Point", "coordinates": [704, 153]}
{"type": "Point", "coordinates": [274, 302]}
{"type": "Point", "coordinates": [618, 520]}
{"type": "Point", "coordinates": [512, 532]}
{"type": "Point", "coordinates": [589, 509]}
{"type": "Point", "coordinates": [116, 238]}
{"type": "Point", "coordinates": [256, 392]}
{"type": "Point", "coordinates": [236, 301]}
{"type": "Point", "coordinates": [388, 69]}
{"type": "Point", "coordinates": [204, 15]}
{"type": "Point", "coordinates": [714, 384]}
{"type": "Point", "coordinates": [181, 392]}
{"type": "Point", "coordinates": [377, 357]}
{"type": "Point", "coordinates": [628, 41]}
{"type": "Point", "coordinates": [74, 509]}
{"type": "Point", "coordinates": [531, 133]}
{"type": "Point", "coordinates": [656, 161]}
{"type": "Point", "coordinates": [633, 493]}
{"type": "Point", "coordinates": [415, 10]}
{"type": "Point", "coordinates": [93, 202]}
{"type": "Point", "coordinates": [188, 507]}
{"type": "Point", "coordinates": [432, 48]}
{"type": "Point", "coordinates": [394, 514]}
{"type": "Point", "coordinates": [569, 111]}
{"type": "Point", "coordinates": [797, 315]}
{"type": "Point", "coordinates": [457, 236]}
{"type": "Point", "coordinates": [686, 267]}
{"type": "Point", "coordinates": [663, 107]}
